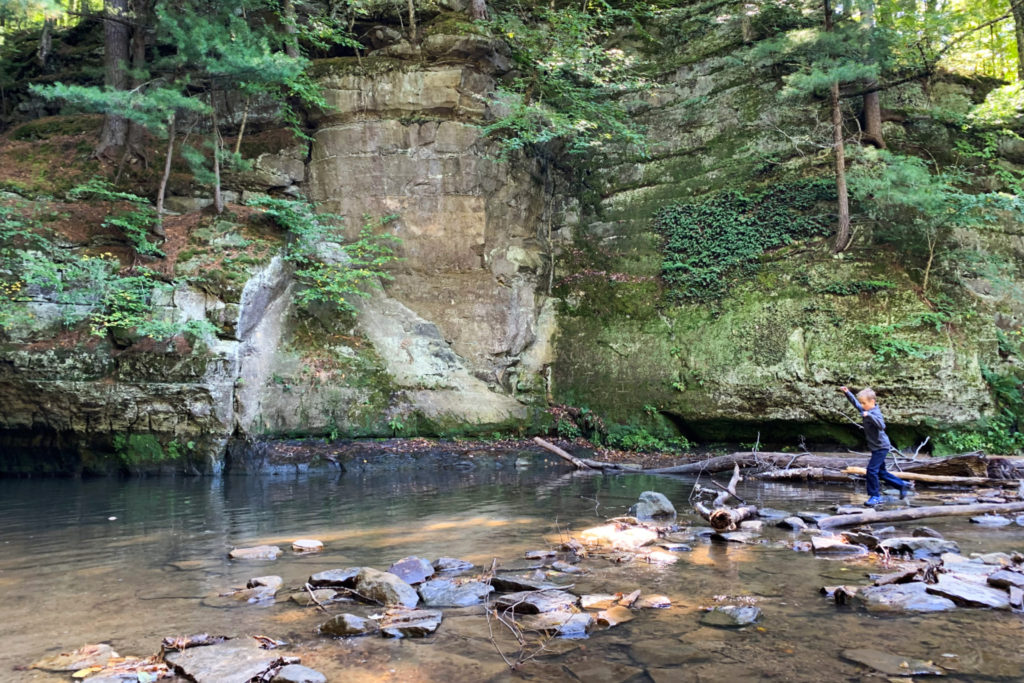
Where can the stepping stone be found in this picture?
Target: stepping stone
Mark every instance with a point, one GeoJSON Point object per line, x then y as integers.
{"type": "Point", "coordinates": [414, 623]}
{"type": "Point", "coordinates": [339, 578]}
{"type": "Point", "coordinates": [969, 594]}
{"type": "Point", "coordinates": [830, 545]}
{"type": "Point", "coordinates": [412, 570]}
{"type": "Point", "coordinates": [534, 602]}
{"type": "Point", "coordinates": [259, 552]}
{"type": "Point", "coordinates": [902, 597]}
{"type": "Point", "coordinates": [345, 625]}
{"type": "Point", "coordinates": [307, 545]}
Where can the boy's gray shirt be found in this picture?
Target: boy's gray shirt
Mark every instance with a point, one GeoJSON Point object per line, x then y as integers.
{"type": "Point", "coordinates": [874, 425]}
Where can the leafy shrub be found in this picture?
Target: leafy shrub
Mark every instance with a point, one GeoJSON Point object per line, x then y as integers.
{"type": "Point", "coordinates": [850, 288]}
{"type": "Point", "coordinates": [136, 224]}
{"type": "Point", "coordinates": [335, 280]}
{"type": "Point", "coordinates": [635, 438]}
{"type": "Point", "coordinates": [705, 242]}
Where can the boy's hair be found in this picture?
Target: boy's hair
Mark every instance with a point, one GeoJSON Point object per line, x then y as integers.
{"type": "Point", "coordinates": [867, 393]}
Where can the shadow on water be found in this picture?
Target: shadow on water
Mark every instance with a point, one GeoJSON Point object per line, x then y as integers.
{"type": "Point", "coordinates": [130, 562]}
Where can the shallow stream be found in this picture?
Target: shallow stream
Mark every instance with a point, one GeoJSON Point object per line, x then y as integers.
{"type": "Point", "coordinates": [131, 561]}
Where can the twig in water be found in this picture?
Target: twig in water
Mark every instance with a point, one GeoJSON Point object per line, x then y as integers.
{"type": "Point", "coordinates": [320, 605]}
{"type": "Point", "coordinates": [596, 503]}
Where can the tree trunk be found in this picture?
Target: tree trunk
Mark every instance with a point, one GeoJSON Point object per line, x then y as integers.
{"type": "Point", "coordinates": [478, 9]}
{"type": "Point", "coordinates": [115, 62]}
{"type": "Point", "coordinates": [724, 463]}
{"type": "Point", "coordinates": [136, 149]}
{"type": "Point", "coordinates": [908, 514]}
{"type": "Point", "coordinates": [412, 22]}
{"type": "Point", "coordinates": [843, 200]}
{"type": "Point", "coordinates": [162, 191]}
{"type": "Point", "coordinates": [45, 43]}
{"type": "Point", "coordinates": [218, 198]}
{"type": "Point", "coordinates": [1018, 30]}
{"type": "Point", "coordinates": [291, 30]}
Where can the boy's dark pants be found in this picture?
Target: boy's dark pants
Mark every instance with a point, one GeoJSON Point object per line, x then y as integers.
{"type": "Point", "coordinates": [876, 469]}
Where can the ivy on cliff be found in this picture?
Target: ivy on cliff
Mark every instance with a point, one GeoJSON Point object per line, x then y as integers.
{"type": "Point", "coordinates": [705, 242]}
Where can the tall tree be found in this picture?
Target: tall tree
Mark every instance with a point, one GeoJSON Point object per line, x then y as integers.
{"type": "Point", "coordinates": [116, 36]}
{"type": "Point", "coordinates": [838, 150]}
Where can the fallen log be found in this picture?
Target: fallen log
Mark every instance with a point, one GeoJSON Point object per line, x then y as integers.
{"type": "Point", "coordinates": [969, 465]}
{"type": "Point", "coordinates": [723, 463]}
{"type": "Point", "coordinates": [724, 518]}
{"type": "Point", "coordinates": [807, 474]}
{"type": "Point", "coordinates": [584, 463]}
{"type": "Point", "coordinates": [939, 478]}
{"type": "Point", "coordinates": [907, 514]}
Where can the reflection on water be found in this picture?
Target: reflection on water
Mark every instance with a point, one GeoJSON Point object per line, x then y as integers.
{"type": "Point", "coordinates": [129, 562]}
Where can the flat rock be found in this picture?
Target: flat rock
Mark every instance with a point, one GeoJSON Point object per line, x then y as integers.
{"type": "Point", "coordinates": [902, 597]}
{"type": "Point", "coordinates": [385, 588]}
{"type": "Point", "coordinates": [412, 570]}
{"type": "Point", "coordinates": [654, 602]}
{"type": "Point", "coordinates": [731, 616]}
{"type": "Point", "coordinates": [412, 623]}
{"type": "Point", "coordinates": [272, 582]}
{"type": "Point", "coordinates": [869, 541]}
{"type": "Point", "coordinates": [614, 616]}
{"type": "Point", "coordinates": [991, 520]}
{"type": "Point", "coordinates": [1004, 578]}
{"type": "Point", "coordinates": [564, 624]}
{"type": "Point", "coordinates": [259, 552]}
{"type": "Point", "coordinates": [345, 625]}
{"type": "Point", "coordinates": [449, 593]}
{"type": "Point", "coordinates": [736, 537]}
{"type": "Point", "coordinates": [752, 525]}
{"type": "Point", "coordinates": [890, 664]}
{"type": "Point", "coordinates": [968, 593]}
{"type": "Point", "coordinates": [320, 595]}
{"type": "Point", "coordinates": [674, 547]}
{"type": "Point", "coordinates": [848, 509]}
{"type": "Point", "coordinates": [534, 602]}
{"type": "Point", "coordinates": [794, 523]}
{"type": "Point", "coordinates": [339, 578]}
{"type": "Point", "coordinates": [452, 564]}
{"type": "Point", "coordinates": [512, 582]}
{"type": "Point", "coordinates": [772, 513]}
{"type": "Point", "coordinates": [233, 661]}
{"type": "Point", "coordinates": [996, 559]}
{"type": "Point", "coordinates": [296, 673]}
{"type": "Point", "coordinates": [832, 545]}
{"type": "Point", "coordinates": [539, 554]}
{"type": "Point", "coordinates": [812, 517]}
{"type": "Point", "coordinates": [307, 545]}
{"type": "Point", "coordinates": [598, 601]}
{"type": "Point", "coordinates": [566, 568]}
{"type": "Point", "coordinates": [82, 658]}
{"type": "Point", "coordinates": [919, 547]}
{"type": "Point", "coordinates": [925, 532]}
{"type": "Point", "coordinates": [619, 536]}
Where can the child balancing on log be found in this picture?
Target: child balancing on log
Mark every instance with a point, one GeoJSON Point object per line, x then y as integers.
{"type": "Point", "coordinates": [878, 444]}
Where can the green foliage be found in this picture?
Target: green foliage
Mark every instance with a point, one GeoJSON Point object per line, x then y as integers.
{"type": "Point", "coordinates": [331, 278]}
{"type": "Point", "coordinates": [136, 224]}
{"type": "Point", "coordinates": [1002, 108]}
{"type": "Point", "coordinates": [705, 242]}
{"type": "Point", "coordinates": [134, 450]}
{"type": "Point", "coordinates": [637, 438]}
{"type": "Point", "coordinates": [569, 85]}
{"type": "Point", "coordinates": [853, 287]}
{"type": "Point", "coordinates": [889, 343]}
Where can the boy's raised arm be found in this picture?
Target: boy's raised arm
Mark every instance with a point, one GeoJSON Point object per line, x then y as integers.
{"type": "Point", "coordinates": [853, 399]}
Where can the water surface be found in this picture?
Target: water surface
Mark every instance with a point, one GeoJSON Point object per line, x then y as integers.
{"type": "Point", "coordinates": [131, 561]}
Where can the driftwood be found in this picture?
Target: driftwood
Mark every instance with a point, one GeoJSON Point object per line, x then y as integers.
{"type": "Point", "coordinates": [807, 474]}
{"type": "Point", "coordinates": [906, 514]}
{"type": "Point", "coordinates": [724, 463]}
{"type": "Point", "coordinates": [969, 465]}
{"type": "Point", "coordinates": [940, 479]}
{"type": "Point", "coordinates": [722, 517]}
{"type": "Point", "coordinates": [584, 463]}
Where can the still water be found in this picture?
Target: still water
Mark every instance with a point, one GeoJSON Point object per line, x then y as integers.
{"type": "Point", "coordinates": [129, 562]}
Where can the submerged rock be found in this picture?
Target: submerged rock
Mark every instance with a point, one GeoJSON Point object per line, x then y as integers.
{"type": "Point", "coordinates": [452, 564]}
{"type": "Point", "coordinates": [512, 582]}
{"type": "Point", "coordinates": [296, 673]}
{"type": "Point", "coordinates": [890, 664]}
{"type": "Point", "coordinates": [449, 593]}
{"type": "Point", "coordinates": [412, 570]}
{"type": "Point", "coordinates": [653, 505]}
{"type": "Point", "coordinates": [415, 623]}
{"type": "Point", "coordinates": [902, 597]}
{"type": "Point", "coordinates": [991, 520]}
{"type": "Point", "coordinates": [619, 536]}
{"type": "Point", "coordinates": [615, 615]}
{"type": "Point", "coordinates": [274, 583]}
{"type": "Point", "coordinates": [345, 625]}
{"type": "Point", "coordinates": [562, 623]}
{"type": "Point", "coordinates": [919, 547]}
{"type": "Point", "coordinates": [84, 657]}
{"type": "Point", "coordinates": [385, 588]}
{"type": "Point", "coordinates": [731, 616]}
{"type": "Point", "coordinates": [794, 523]}
{"type": "Point", "coordinates": [566, 568]}
{"type": "Point", "coordinates": [654, 602]}
{"type": "Point", "coordinates": [259, 552]}
{"type": "Point", "coordinates": [831, 545]}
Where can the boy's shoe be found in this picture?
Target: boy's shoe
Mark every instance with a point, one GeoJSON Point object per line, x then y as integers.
{"type": "Point", "coordinates": [873, 501]}
{"type": "Point", "coordinates": [906, 490]}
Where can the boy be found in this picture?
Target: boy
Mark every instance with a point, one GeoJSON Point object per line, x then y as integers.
{"type": "Point", "coordinates": [878, 443]}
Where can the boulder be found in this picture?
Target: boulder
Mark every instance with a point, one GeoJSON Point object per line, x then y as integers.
{"type": "Point", "coordinates": [653, 505]}
{"type": "Point", "coordinates": [412, 570]}
{"type": "Point", "coordinates": [259, 552]}
{"type": "Point", "coordinates": [903, 597]}
{"type": "Point", "coordinates": [233, 661]}
{"type": "Point", "coordinates": [345, 625]}
{"type": "Point", "coordinates": [385, 588]}
{"type": "Point", "coordinates": [414, 623]}
{"type": "Point", "coordinates": [731, 616]}
{"type": "Point", "coordinates": [449, 593]}
{"type": "Point", "coordinates": [339, 578]}
{"type": "Point", "coordinates": [534, 602]}
{"type": "Point", "coordinates": [794, 523]}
